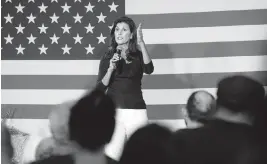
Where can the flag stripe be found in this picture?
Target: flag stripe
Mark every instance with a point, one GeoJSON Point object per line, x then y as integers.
{"type": "Point", "coordinates": [28, 111]}
{"type": "Point", "coordinates": [205, 19]}
{"type": "Point", "coordinates": [13, 96]}
{"type": "Point", "coordinates": [212, 49]}
{"type": "Point", "coordinates": [32, 126]}
{"type": "Point", "coordinates": [164, 81]}
{"type": "Point", "coordinates": [205, 34]}
{"type": "Point", "coordinates": [162, 66]}
{"type": "Point", "coordinates": [173, 125]}
{"type": "Point", "coordinates": [188, 6]}
{"type": "Point", "coordinates": [151, 96]}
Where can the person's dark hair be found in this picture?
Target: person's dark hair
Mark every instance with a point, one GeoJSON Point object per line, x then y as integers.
{"type": "Point", "coordinates": [146, 145]}
{"type": "Point", "coordinates": [92, 120]}
{"type": "Point", "coordinates": [195, 112]}
{"type": "Point", "coordinates": [132, 43]}
{"type": "Point", "coordinates": [240, 94]}
{"type": "Point", "coordinates": [261, 118]}
{"type": "Point", "coordinates": [265, 103]}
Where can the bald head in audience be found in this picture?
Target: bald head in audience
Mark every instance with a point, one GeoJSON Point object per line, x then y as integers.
{"type": "Point", "coordinates": [199, 107]}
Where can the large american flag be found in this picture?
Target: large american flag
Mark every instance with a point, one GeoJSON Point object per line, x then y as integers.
{"type": "Point", "coordinates": [51, 50]}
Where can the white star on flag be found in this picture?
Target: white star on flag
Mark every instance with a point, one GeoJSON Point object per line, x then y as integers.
{"type": "Point", "coordinates": [54, 39]}
{"type": "Point", "coordinates": [42, 8]}
{"type": "Point", "coordinates": [78, 39]}
{"type": "Point", "coordinates": [8, 18]}
{"type": "Point", "coordinates": [31, 39]}
{"type": "Point", "coordinates": [89, 28]}
{"type": "Point", "coordinates": [89, 7]}
{"type": "Point", "coordinates": [31, 18]}
{"type": "Point", "coordinates": [101, 38]}
{"type": "Point", "coordinates": [113, 7]}
{"type": "Point", "coordinates": [54, 18]}
{"type": "Point", "coordinates": [19, 8]}
{"type": "Point", "coordinates": [66, 49]}
{"type": "Point", "coordinates": [89, 49]}
{"type": "Point", "coordinates": [66, 8]}
{"type": "Point", "coordinates": [31, 1]}
{"type": "Point", "coordinates": [8, 1]}
{"type": "Point", "coordinates": [54, 1]}
{"type": "Point", "coordinates": [43, 29]}
{"type": "Point", "coordinates": [77, 18]}
{"type": "Point", "coordinates": [66, 28]}
{"type": "Point", "coordinates": [20, 29]}
{"type": "Point", "coordinates": [42, 49]}
{"type": "Point", "coordinates": [8, 39]}
{"type": "Point", "coordinates": [77, 0]}
{"type": "Point", "coordinates": [101, 18]}
{"type": "Point", "coordinates": [20, 49]}
{"type": "Point", "coordinates": [101, 0]}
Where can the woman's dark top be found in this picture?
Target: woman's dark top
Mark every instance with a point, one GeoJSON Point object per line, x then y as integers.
{"type": "Point", "coordinates": [125, 86]}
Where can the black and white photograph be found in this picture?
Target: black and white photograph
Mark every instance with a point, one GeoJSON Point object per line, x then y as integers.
{"type": "Point", "coordinates": [134, 81]}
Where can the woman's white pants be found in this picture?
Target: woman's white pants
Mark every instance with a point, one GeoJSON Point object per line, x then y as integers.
{"type": "Point", "coordinates": [127, 122]}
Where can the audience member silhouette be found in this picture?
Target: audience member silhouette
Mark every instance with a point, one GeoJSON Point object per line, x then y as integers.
{"type": "Point", "coordinates": [228, 138]}
{"type": "Point", "coordinates": [90, 127]}
{"type": "Point", "coordinates": [146, 145]}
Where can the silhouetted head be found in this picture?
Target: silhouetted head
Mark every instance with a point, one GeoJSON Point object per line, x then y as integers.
{"type": "Point", "coordinates": [240, 94]}
{"type": "Point", "coordinates": [146, 145]}
{"type": "Point", "coordinates": [240, 99]}
{"type": "Point", "coordinates": [92, 120]}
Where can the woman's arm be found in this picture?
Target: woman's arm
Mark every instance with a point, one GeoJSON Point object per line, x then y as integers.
{"type": "Point", "coordinates": [148, 64]}
{"type": "Point", "coordinates": [146, 57]}
{"type": "Point", "coordinates": [102, 71]}
{"type": "Point", "coordinates": [105, 80]}
{"type": "Point", "coordinates": [106, 69]}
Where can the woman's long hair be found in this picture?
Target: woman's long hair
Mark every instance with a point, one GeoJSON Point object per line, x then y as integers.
{"type": "Point", "coordinates": [132, 49]}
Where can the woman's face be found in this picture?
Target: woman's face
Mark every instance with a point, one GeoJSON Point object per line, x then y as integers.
{"type": "Point", "coordinates": [122, 33]}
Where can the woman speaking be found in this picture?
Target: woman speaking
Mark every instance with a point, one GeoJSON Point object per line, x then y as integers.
{"type": "Point", "coordinates": [120, 74]}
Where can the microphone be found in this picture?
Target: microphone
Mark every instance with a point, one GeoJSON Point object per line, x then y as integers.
{"type": "Point", "coordinates": [118, 63]}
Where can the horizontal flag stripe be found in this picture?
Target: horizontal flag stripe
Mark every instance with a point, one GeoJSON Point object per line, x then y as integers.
{"type": "Point", "coordinates": [185, 6]}
{"type": "Point", "coordinates": [205, 19]}
{"type": "Point", "coordinates": [212, 49]}
{"type": "Point", "coordinates": [162, 66]}
{"type": "Point", "coordinates": [39, 126]}
{"type": "Point", "coordinates": [174, 125]}
{"type": "Point", "coordinates": [26, 111]}
{"type": "Point", "coordinates": [164, 81]}
{"type": "Point", "coordinates": [205, 34]}
{"type": "Point", "coordinates": [151, 96]}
